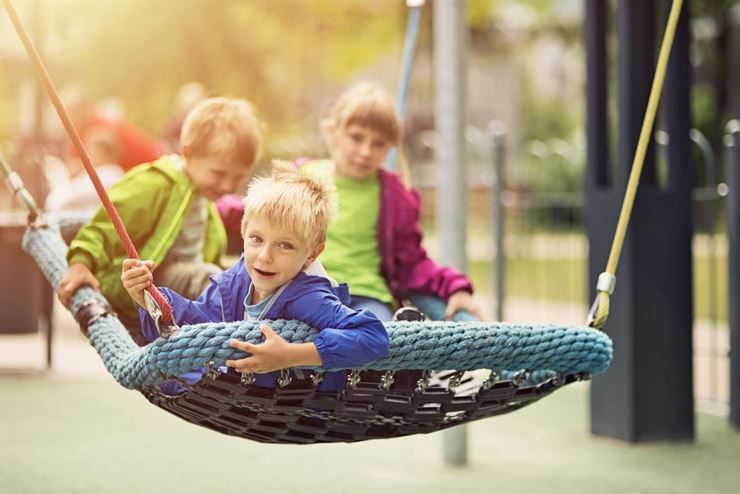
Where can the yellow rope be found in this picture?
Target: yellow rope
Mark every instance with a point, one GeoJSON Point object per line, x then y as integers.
{"type": "Point", "coordinates": [600, 309]}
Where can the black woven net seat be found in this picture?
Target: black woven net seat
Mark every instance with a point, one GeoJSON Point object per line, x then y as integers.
{"type": "Point", "coordinates": [398, 395]}
{"type": "Point", "coordinates": [416, 402]}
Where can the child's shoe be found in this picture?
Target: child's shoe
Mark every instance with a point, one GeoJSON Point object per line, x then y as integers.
{"type": "Point", "coordinates": [409, 313]}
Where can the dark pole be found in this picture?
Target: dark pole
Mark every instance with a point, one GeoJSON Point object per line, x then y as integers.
{"type": "Point", "coordinates": [646, 395]}
{"type": "Point", "coordinates": [732, 169]}
{"type": "Point", "coordinates": [677, 113]}
{"type": "Point", "coordinates": [596, 94]}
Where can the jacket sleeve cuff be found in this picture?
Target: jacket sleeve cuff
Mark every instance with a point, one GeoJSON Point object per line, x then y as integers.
{"type": "Point", "coordinates": [327, 359]}
{"type": "Point", "coordinates": [81, 257]}
{"type": "Point", "coordinates": [461, 284]}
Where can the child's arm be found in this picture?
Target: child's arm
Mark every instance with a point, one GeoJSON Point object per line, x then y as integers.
{"type": "Point", "coordinates": [96, 245]}
{"type": "Point", "coordinates": [137, 276]}
{"type": "Point", "coordinates": [138, 204]}
{"type": "Point", "coordinates": [77, 275]}
{"type": "Point", "coordinates": [417, 272]}
{"type": "Point", "coordinates": [463, 300]}
{"type": "Point", "coordinates": [347, 338]}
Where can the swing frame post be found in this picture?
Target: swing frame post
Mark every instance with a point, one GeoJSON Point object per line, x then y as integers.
{"type": "Point", "coordinates": [732, 170]}
{"type": "Point", "coordinates": [647, 395]}
{"type": "Point", "coordinates": [450, 44]}
{"type": "Point", "coordinates": [497, 133]}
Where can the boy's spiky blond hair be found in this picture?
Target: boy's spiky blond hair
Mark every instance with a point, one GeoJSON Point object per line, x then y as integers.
{"type": "Point", "coordinates": [224, 127]}
{"type": "Point", "coordinates": [369, 105]}
{"type": "Point", "coordinates": [292, 201]}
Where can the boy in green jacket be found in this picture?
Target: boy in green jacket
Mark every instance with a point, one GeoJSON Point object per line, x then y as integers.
{"type": "Point", "coordinates": [168, 210]}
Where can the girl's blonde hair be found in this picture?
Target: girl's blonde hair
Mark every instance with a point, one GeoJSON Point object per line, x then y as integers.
{"type": "Point", "coordinates": [292, 201]}
{"type": "Point", "coordinates": [223, 127]}
{"type": "Point", "coordinates": [367, 104]}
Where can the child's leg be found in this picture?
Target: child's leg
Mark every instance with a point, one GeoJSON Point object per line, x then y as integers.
{"type": "Point", "coordinates": [384, 312]}
{"type": "Point", "coordinates": [188, 279]}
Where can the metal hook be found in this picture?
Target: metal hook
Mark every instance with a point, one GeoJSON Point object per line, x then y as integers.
{"type": "Point", "coordinates": [423, 383]}
{"type": "Point", "coordinates": [386, 380]}
{"type": "Point", "coordinates": [211, 371]}
{"type": "Point", "coordinates": [317, 377]}
{"type": "Point", "coordinates": [490, 381]}
{"type": "Point", "coordinates": [520, 377]}
{"type": "Point", "coordinates": [284, 378]}
{"type": "Point", "coordinates": [353, 378]}
{"type": "Point", "coordinates": [455, 380]}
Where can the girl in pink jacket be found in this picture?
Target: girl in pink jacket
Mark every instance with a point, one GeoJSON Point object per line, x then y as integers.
{"type": "Point", "coordinates": [374, 241]}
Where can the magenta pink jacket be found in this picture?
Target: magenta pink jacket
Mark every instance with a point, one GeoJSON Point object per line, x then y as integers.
{"type": "Point", "coordinates": [404, 263]}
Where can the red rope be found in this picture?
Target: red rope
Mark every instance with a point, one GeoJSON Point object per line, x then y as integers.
{"type": "Point", "coordinates": [75, 137]}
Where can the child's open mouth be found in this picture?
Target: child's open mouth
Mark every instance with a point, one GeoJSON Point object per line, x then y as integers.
{"type": "Point", "coordinates": [264, 274]}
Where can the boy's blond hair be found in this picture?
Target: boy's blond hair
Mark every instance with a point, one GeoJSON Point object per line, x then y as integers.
{"type": "Point", "coordinates": [224, 127]}
{"type": "Point", "coordinates": [367, 104]}
{"type": "Point", "coordinates": [292, 201]}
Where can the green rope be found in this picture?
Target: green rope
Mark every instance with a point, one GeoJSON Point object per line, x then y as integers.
{"type": "Point", "coordinates": [607, 280]}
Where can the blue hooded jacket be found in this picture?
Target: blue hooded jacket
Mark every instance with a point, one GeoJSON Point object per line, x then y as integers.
{"type": "Point", "coordinates": [347, 338]}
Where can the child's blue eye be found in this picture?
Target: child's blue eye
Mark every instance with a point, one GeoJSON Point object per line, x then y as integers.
{"type": "Point", "coordinates": [286, 245]}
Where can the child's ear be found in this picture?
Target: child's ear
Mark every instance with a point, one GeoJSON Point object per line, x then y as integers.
{"type": "Point", "coordinates": [314, 255]}
{"type": "Point", "coordinates": [185, 152]}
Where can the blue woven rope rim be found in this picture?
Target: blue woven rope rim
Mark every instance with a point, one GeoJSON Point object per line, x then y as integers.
{"type": "Point", "coordinates": [462, 345]}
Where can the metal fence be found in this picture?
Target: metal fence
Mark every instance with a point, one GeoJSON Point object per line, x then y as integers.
{"type": "Point", "coordinates": [539, 268]}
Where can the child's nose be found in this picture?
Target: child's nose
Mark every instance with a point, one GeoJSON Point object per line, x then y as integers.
{"type": "Point", "coordinates": [265, 255]}
{"type": "Point", "coordinates": [229, 186]}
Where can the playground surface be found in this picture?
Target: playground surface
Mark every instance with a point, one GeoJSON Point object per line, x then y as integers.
{"type": "Point", "coordinates": [88, 435]}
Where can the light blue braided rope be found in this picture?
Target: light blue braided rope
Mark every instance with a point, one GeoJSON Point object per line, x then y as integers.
{"type": "Point", "coordinates": [464, 345]}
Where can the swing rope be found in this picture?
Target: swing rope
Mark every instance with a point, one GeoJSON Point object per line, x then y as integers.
{"type": "Point", "coordinates": [607, 280]}
{"type": "Point", "coordinates": [409, 47]}
{"type": "Point", "coordinates": [74, 136]}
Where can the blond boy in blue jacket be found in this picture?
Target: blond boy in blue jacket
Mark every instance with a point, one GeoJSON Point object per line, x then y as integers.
{"type": "Point", "coordinates": [284, 228]}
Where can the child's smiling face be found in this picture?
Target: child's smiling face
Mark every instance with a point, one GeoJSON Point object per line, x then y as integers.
{"type": "Point", "coordinates": [358, 152]}
{"type": "Point", "coordinates": [273, 256]}
{"type": "Point", "coordinates": [215, 177]}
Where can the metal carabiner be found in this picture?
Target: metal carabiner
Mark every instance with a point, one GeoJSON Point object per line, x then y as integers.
{"type": "Point", "coordinates": [155, 312]}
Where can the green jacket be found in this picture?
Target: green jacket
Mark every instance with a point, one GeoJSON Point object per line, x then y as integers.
{"type": "Point", "coordinates": [152, 200]}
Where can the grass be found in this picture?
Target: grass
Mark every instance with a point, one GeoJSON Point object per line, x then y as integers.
{"type": "Point", "coordinates": [91, 436]}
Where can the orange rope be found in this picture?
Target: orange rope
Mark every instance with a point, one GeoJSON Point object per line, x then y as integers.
{"type": "Point", "coordinates": [75, 137]}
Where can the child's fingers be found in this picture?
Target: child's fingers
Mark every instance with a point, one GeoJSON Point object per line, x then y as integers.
{"type": "Point", "coordinates": [246, 365]}
{"type": "Point", "coordinates": [237, 364]}
{"type": "Point", "coordinates": [244, 346]}
{"type": "Point", "coordinates": [267, 331]}
{"type": "Point", "coordinates": [132, 278]}
{"type": "Point", "coordinates": [138, 271]}
{"type": "Point", "coordinates": [129, 264]}
{"type": "Point", "coordinates": [450, 312]}
{"type": "Point", "coordinates": [140, 287]}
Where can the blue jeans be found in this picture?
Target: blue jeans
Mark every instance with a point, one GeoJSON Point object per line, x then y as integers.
{"type": "Point", "coordinates": [384, 312]}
